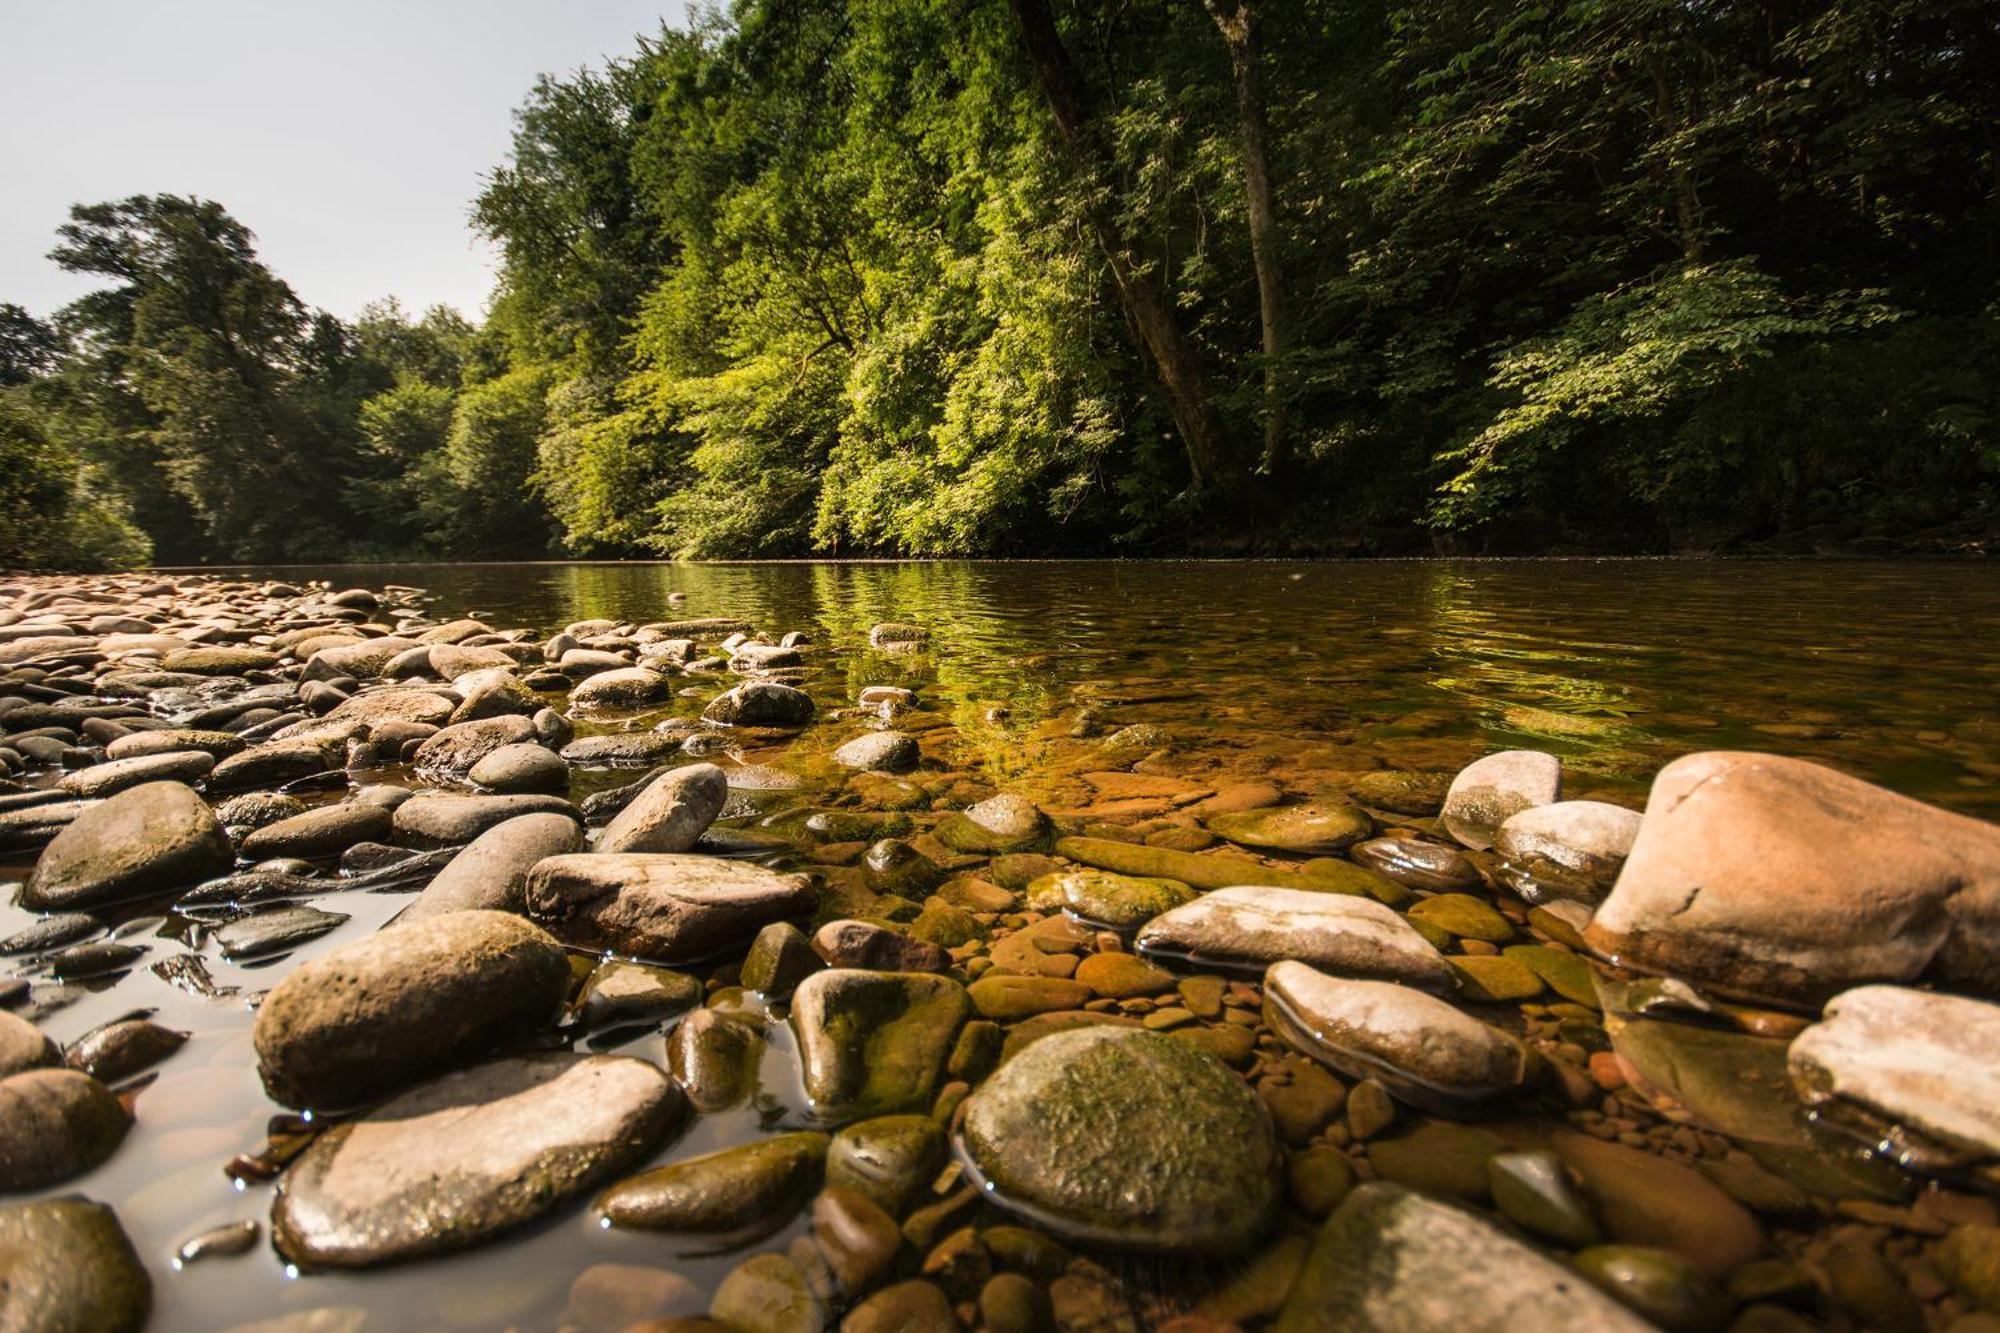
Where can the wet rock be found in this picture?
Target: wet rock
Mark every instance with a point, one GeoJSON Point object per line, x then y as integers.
{"type": "Point", "coordinates": [623, 749]}
{"type": "Point", "coordinates": [611, 1298]}
{"type": "Point", "coordinates": [767, 1293]}
{"type": "Point", "coordinates": [257, 809]}
{"type": "Point", "coordinates": [525, 766]}
{"type": "Point", "coordinates": [874, 1042]}
{"type": "Point", "coordinates": [1488, 792]}
{"type": "Point", "coordinates": [620, 992]}
{"type": "Point", "coordinates": [661, 906]}
{"type": "Point", "coordinates": [779, 959]}
{"type": "Point", "coordinates": [1126, 1138]}
{"type": "Point", "coordinates": [1462, 916]}
{"type": "Point", "coordinates": [468, 1156]}
{"type": "Point", "coordinates": [1437, 1157]}
{"type": "Point", "coordinates": [459, 748]}
{"type": "Point", "coordinates": [218, 661]}
{"type": "Point", "coordinates": [51, 932]}
{"type": "Point", "coordinates": [54, 1124]}
{"type": "Point", "coordinates": [1256, 926]}
{"type": "Point", "coordinates": [996, 825]}
{"type": "Point", "coordinates": [739, 1193]}
{"type": "Point", "coordinates": [377, 1014]}
{"type": "Point", "coordinates": [69, 1268]}
{"type": "Point", "coordinates": [760, 703]}
{"type": "Point", "coordinates": [1495, 980]}
{"type": "Point", "coordinates": [625, 687]}
{"type": "Point", "coordinates": [1317, 828]}
{"type": "Point", "coordinates": [897, 634]}
{"type": "Point", "coordinates": [143, 840]}
{"type": "Point", "coordinates": [1429, 866]}
{"type": "Point", "coordinates": [1427, 1052]}
{"type": "Point", "coordinates": [1317, 1179]}
{"type": "Point", "coordinates": [1773, 875]}
{"type": "Point", "coordinates": [1641, 1199]}
{"type": "Point", "coordinates": [271, 765]}
{"type": "Point", "coordinates": [1008, 998]}
{"type": "Point", "coordinates": [1122, 976]}
{"type": "Point", "coordinates": [320, 833]}
{"type": "Point", "coordinates": [859, 1239]}
{"type": "Point", "coordinates": [1401, 793]}
{"type": "Point", "coordinates": [25, 1046]}
{"type": "Point", "coordinates": [101, 780]}
{"type": "Point", "coordinates": [1323, 875]}
{"type": "Point", "coordinates": [444, 821]}
{"type": "Point", "coordinates": [1969, 1259]}
{"type": "Point", "coordinates": [1534, 1191]}
{"type": "Point", "coordinates": [1568, 849]}
{"type": "Point", "coordinates": [670, 814]}
{"type": "Point", "coordinates": [276, 931]}
{"type": "Point", "coordinates": [379, 707]}
{"type": "Point", "coordinates": [862, 944]}
{"type": "Point", "coordinates": [879, 751]}
{"type": "Point", "coordinates": [115, 1051]}
{"type": "Point", "coordinates": [915, 1304]}
{"type": "Point", "coordinates": [1123, 902]}
{"type": "Point", "coordinates": [1658, 1284]}
{"type": "Point", "coordinates": [168, 740]}
{"type": "Point", "coordinates": [1919, 1069]}
{"type": "Point", "coordinates": [889, 1159]}
{"type": "Point", "coordinates": [715, 1058]}
{"type": "Point", "coordinates": [219, 1242]}
{"type": "Point", "coordinates": [893, 866]}
{"type": "Point", "coordinates": [492, 873]}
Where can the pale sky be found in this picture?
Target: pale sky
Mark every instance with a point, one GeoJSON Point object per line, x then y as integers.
{"type": "Point", "coordinates": [350, 135]}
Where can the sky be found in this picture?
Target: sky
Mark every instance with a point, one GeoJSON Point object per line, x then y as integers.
{"type": "Point", "coordinates": [350, 135]}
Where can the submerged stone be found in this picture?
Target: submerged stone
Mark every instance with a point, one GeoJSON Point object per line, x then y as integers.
{"type": "Point", "coordinates": [1318, 828]}
{"type": "Point", "coordinates": [469, 1156]}
{"type": "Point", "coordinates": [1123, 902]}
{"type": "Point", "coordinates": [1126, 1138]}
{"type": "Point", "coordinates": [738, 1193]}
{"type": "Point", "coordinates": [874, 1042]}
{"type": "Point", "coordinates": [995, 826]}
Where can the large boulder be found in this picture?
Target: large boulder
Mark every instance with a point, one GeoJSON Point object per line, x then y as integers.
{"type": "Point", "coordinates": [670, 814]}
{"type": "Point", "coordinates": [1133, 1139]}
{"type": "Point", "coordinates": [874, 1042]}
{"type": "Point", "coordinates": [1912, 1068]}
{"type": "Point", "coordinates": [665, 907]}
{"type": "Point", "coordinates": [407, 1002]}
{"type": "Point", "coordinates": [1390, 1258]}
{"type": "Point", "coordinates": [492, 873]}
{"type": "Point", "coordinates": [1779, 877]}
{"type": "Point", "coordinates": [1488, 792]}
{"type": "Point", "coordinates": [143, 840]}
{"type": "Point", "coordinates": [1255, 926]}
{"type": "Point", "coordinates": [66, 1266]}
{"type": "Point", "coordinates": [468, 1156]}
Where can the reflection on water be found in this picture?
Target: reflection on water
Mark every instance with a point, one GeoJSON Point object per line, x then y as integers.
{"type": "Point", "coordinates": [1297, 671]}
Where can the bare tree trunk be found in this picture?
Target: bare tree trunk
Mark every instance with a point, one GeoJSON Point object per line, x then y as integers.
{"type": "Point", "coordinates": [1239, 34]}
{"type": "Point", "coordinates": [1211, 460]}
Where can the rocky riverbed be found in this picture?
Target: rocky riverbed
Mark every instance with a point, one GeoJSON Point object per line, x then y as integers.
{"type": "Point", "coordinates": [376, 967]}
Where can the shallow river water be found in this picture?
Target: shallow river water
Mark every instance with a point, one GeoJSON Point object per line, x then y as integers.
{"type": "Point", "coordinates": [1293, 673]}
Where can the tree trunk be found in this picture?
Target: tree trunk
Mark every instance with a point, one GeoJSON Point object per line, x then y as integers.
{"type": "Point", "coordinates": [1239, 34]}
{"type": "Point", "coordinates": [1211, 461]}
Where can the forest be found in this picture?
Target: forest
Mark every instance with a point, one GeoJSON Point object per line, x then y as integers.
{"type": "Point", "coordinates": [1101, 277]}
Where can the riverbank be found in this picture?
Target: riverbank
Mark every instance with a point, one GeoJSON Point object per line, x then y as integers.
{"type": "Point", "coordinates": [805, 972]}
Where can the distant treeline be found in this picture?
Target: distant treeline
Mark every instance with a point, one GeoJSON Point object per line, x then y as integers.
{"type": "Point", "coordinates": [1058, 276]}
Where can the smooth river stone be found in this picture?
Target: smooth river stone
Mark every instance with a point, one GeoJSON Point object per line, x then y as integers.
{"type": "Point", "coordinates": [1204, 871]}
{"type": "Point", "coordinates": [431, 821]}
{"type": "Point", "coordinates": [661, 906]}
{"type": "Point", "coordinates": [1567, 849]}
{"type": "Point", "coordinates": [1390, 1258]}
{"type": "Point", "coordinates": [1114, 1136]}
{"type": "Point", "coordinates": [524, 766]}
{"type": "Point", "coordinates": [57, 1123]}
{"type": "Point", "coordinates": [492, 872]}
{"type": "Point", "coordinates": [458, 748]}
{"type": "Point", "coordinates": [420, 996]}
{"type": "Point", "coordinates": [324, 831]}
{"type": "Point", "coordinates": [1773, 876]}
{"type": "Point", "coordinates": [670, 814]}
{"type": "Point", "coordinates": [468, 1156]}
{"type": "Point", "coordinates": [25, 1046]}
{"type": "Point", "coordinates": [1317, 828]}
{"type": "Point", "coordinates": [1487, 792]}
{"type": "Point", "coordinates": [145, 839]}
{"type": "Point", "coordinates": [364, 660]}
{"type": "Point", "coordinates": [1253, 927]}
{"type": "Point", "coordinates": [623, 687]}
{"type": "Point", "coordinates": [1123, 902]}
{"type": "Point", "coordinates": [1429, 866]}
{"type": "Point", "coordinates": [66, 1266]}
{"type": "Point", "coordinates": [1426, 1051]}
{"type": "Point", "coordinates": [879, 751]}
{"type": "Point", "coordinates": [376, 707]}
{"type": "Point", "coordinates": [995, 826]}
{"type": "Point", "coordinates": [109, 779]}
{"type": "Point", "coordinates": [738, 1193]}
{"type": "Point", "coordinates": [874, 1042]}
{"type": "Point", "coordinates": [760, 703]}
{"type": "Point", "coordinates": [1924, 1066]}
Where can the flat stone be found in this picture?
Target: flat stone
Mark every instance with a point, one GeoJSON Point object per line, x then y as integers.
{"type": "Point", "coordinates": [1567, 849]}
{"type": "Point", "coordinates": [1390, 1258]}
{"type": "Point", "coordinates": [1924, 1067]}
{"type": "Point", "coordinates": [1253, 927]}
{"type": "Point", "coordinates": [1401, 793]}
{"type": "Point", "coordinates": [377, 1014]}
{"type": "Point", "coordinates": [377, 707]}
{"type": "Point", "coordinates": [620, 992]}
{"type": "Point", "coordinates": [1007, 998]}
{"type": "Point", "coordinates": [670, 814]}
{"type": "Point", "coordinates": [320, 833]}
{"type": "Point", "coordinates": [492, 872]}
{"type": "Point", "coordinates": [1778, 877]}
{"type": "Point", "coordinates": [458, 748]}
{"type": "Point", "coordinates": [1429, 866]}
{"type": "Point", "coordinates": [879, 751]}
{"type": "Point", "coordinates": [738, 1193]}
{"type": "Point", "coordinates": [874, 1042]}
{"type": "Point", "coordinates": [468, 1156]}
{"type": "Point", "coordinates": [364, 660]}
{"type": "Point", "coordinates": [1123, 902]}
{"type": "Point", "coordinates": [443, 821]}
{"type": "Point", "coordinates": [625, 687]}
{"type": "Point", "coordinates": [666, 907]}
{"type": "Point", "coordinates": [218, 661]}
{"type": "Point", "coordinates": [1487, 792]}
{"type": "Point", "coordinates": [69, 1268]}
{"type": "Point", "coordinates": [59, 1123]}
{"type": "Point", "coordinates": [1127, 1138]}
{"type": "Point", "coordinates": [1463, 916]}
{"type": "Point", "coordinates": [1122, 976]}
{"type": "Point", "coordinates": [101, 780]}
{"type": "Point", "coordinates": [1424, 1050]}
{"type": "Point", "coordinates": [525, 766]}
{"type": "Point", "coordinates": [1317, 828]}
{"type": "Point", "coordinates": [168, 740]}
{"type": "Point", "coordinates": [114, 1051]}
{"type": "Point", "coordinates": [622, 749]}
{"type": "Point", "coordinates": [143, 840]}
{"type": "Point", "coordinates": [262, 934]}
{"type": "Point", "coordinates": [1221, 871]}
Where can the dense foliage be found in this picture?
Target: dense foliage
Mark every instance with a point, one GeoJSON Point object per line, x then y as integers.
{"type": "Point", "coordinates": [1045, 276]}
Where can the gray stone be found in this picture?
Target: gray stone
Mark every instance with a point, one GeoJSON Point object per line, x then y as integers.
{"type": "Point", "coordinates": [625, 687]}
{"type": "Point", "coordinates": [879, 751]}
{"type": "Point", "coordinates": [443, 821]}
{"type": "Point", "coordinates": [101, 780]}
{"type": "Point", "coordinates": [378, 1014]}
{"type": "Point", "coordinates": [66, 1266]}
{"type": "Point", "coordinates": [143, 840]}
{"type": "Point", "coordinates": [57, 1123]}
{"type": "Point", "coordinates": [492, 872]}
{"type": "Point", "coordinates": [622, 749]}
{"type": "Point", "coordinates": [665, 907]}
{"type": "Point", "coordinates": [1255, 926]}
{"type": "Point", "coordinates": [760, 703]}
{"type": "Point", "coordinates": [323, 832]}
{"type": "Point", "coordinates": [1390, 1258]}
{"type": "Point", "coordinates": [1489, 791]}
{"type": "Point", "coordinates": [1132, 1139]}
{"type": "Point", "coordinates": [524, 766]}
{"type": "Point", "coordinates": [670, 813]}
{"type": "Point", "coordinates": [462, 1159]}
